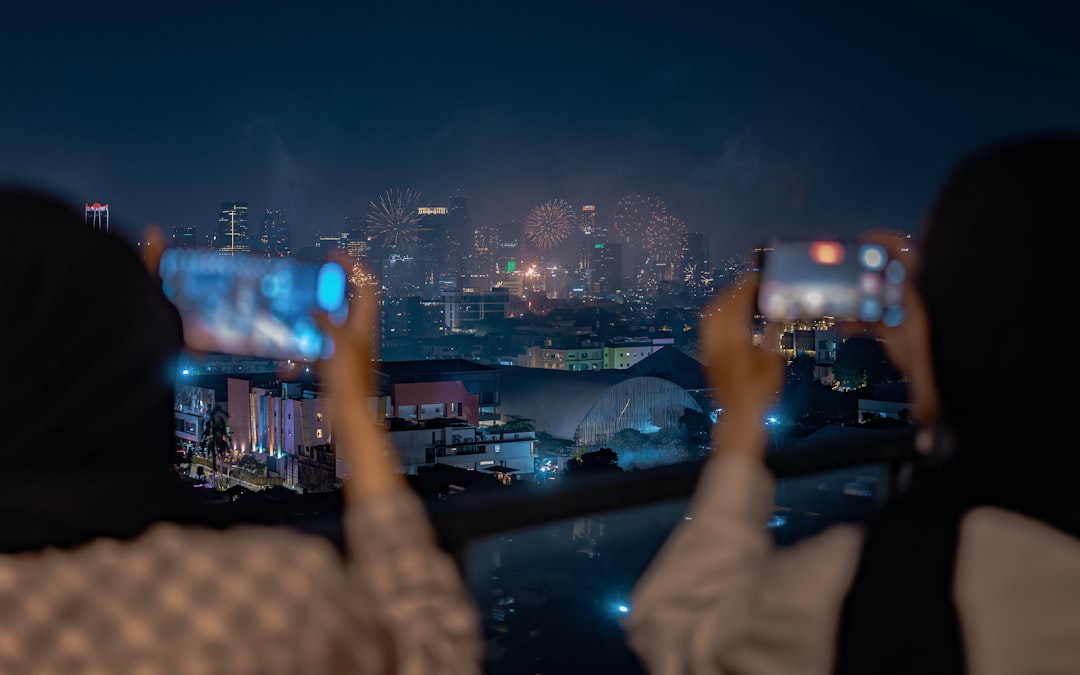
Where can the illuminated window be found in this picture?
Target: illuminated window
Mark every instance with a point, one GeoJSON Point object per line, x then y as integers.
{"type": "Point", "coordinates": [318, 433]}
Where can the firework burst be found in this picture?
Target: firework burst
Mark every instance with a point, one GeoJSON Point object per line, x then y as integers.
{"type": "Point", "coordinates": [394, 219]}
{"type": "Point", "coordinates": [665, 240]}
{"type": "Point", "coordinates": [361, 276]}
{"type": "Point", "coordinates": [633, 216]}
{"type": "Point", "coordinates": [690, 274]}
{"type": "Point", "coordinates": [548, 224]}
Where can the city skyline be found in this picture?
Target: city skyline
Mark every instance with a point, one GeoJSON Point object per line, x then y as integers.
{"type": "Point", "coordinates": [747, 122]}
{"type": "Point", "coordinates": [637, 236]}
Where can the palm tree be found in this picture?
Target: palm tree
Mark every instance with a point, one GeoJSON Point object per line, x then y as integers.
{"type": "Point", "coordinates": [216, 439]}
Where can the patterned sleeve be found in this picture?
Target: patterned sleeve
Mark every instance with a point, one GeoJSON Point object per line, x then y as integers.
{"type": "Point", "coordinates": [250, 599]}
{"type": "Point", "coordinates": [416, 589]}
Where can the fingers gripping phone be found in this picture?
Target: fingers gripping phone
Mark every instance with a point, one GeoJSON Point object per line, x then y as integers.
{"type": "Point", "coordinates": [249, 305]}
{"type": "Point", "coordinates": [845, 280]}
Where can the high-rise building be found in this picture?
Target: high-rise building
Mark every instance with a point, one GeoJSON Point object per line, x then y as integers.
{"type": "Point", "coordinates": [447, 250]}
{"type": "Point", "coordinates": [601, 256]}
{"type": "Point", "coordinates": [185, 236]}
{"type": "Point", "coordinates": [275, 234]}
{"type": "Point", "coordinates": [696, 269]}
{"type": "Point", "coordinates": [462, 252]}
{"type": "Point", "coordinates": [357, 244]}
{"type": "Point", "coordinates": [486, 245]}
{"type": "Point", "coordinates": [466, 310]}
{"type": "Point", "coordinates": [591, 232]}
{"type": "Point", "coordinates": [433, 250]}
{"type": "Point", "coordinates": [232, 230]}
{"type": "Point", "coordinates": [605, 277]}
{"type": "Point", "coordinates": [97, 215]}
{"type": "Point", "coordinates": [508, 248]}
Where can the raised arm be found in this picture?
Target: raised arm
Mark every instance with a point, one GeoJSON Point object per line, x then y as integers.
{"type": "Point", "coordinates": [719, 598]}
{"type": "Point", "coordinates": [417, 590]}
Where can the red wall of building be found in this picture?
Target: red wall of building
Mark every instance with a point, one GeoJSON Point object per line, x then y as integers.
{"type": "Point", "coordinates": [433, 393]}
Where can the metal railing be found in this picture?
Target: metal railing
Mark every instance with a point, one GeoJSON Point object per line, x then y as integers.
{"type": "Point", "coordinates": [469, 517]}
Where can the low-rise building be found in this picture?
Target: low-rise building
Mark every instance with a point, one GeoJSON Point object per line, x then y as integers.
{"type": "Point", "coordinates": [423, 444]}
{"type": "Point", "coordinates": [621, 353]}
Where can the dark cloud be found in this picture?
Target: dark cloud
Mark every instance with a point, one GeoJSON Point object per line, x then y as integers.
{"type": "Point", "coordinates": [745, 119]}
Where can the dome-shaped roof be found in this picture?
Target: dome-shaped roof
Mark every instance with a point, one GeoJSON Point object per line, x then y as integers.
{"type": "Point", "coordinates": [586, 407]}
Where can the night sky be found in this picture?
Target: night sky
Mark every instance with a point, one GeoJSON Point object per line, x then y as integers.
{"type": "Point", "coordinates": [748, 119]}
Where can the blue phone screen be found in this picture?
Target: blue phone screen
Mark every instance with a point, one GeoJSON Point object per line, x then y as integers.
{"type": "Point", "coordinates": [249, 305]}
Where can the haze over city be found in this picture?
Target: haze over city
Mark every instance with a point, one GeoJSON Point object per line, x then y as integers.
{"type": "Point", "coordinates": [745, 121]}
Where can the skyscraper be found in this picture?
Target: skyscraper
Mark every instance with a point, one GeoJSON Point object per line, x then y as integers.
{"type": "Point", "coordinates": [696, 269]}
{"type": "Point", "coordinates": [485, 243]}
{"type": "Point", "coordinates": [601, 257]}
{"type": "Point", "coordinates": [697, 252]}
{"type": "Point", "coordinates": [508, 248]}
{"type": "Point", "coordinates": [433, 249]}
{"type": "Point", "coordinates": [446, 251]}
{"type": "Point", "coordinates": [462, 251]}
{"type": "Point", "coordinates": [275, 234]}
{"type": "Point", "coordinates": [606, 273]}
{"type": "Point", "coordinates": [232, 230]}
{"type": "Point", "coordinates": [356, 239]}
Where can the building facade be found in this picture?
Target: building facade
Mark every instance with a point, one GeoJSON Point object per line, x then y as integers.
{"type": "Point", "coordinates": [437, 412]}
{"type": "Point", "coordinates": [275, 234]}
{"type": "Point", "coordinates": [614, 354]}
{"type": "Point", "coordinates": [466, 310]}
{"type": "Point", "coordinates": [621, 353]}
{"type": "Point", "coordinates": [232, 229]}
{"type": "Point", "coordinates": [587, 356]}
{"type": "Point", "coordinates": [97, 216]}
{"type": "Point", "coordinates": [191, 404]}
{"type": "Point", "coordinates": [466, 447]}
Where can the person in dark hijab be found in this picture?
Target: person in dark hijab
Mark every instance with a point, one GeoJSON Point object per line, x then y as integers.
{"type": "Point", "coordinates": [91, 349]}
{"type": "Point", "coordinates": [107, 567]}
{"type": "Point", "coordinates": [974, 566]}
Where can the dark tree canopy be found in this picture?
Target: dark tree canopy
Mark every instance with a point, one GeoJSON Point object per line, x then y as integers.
{"type": "Point", "coordinates": [861, 361]}
{"type": "Point", "coordinates": [546, 444]}
{"type": "Point", "coordinates": [802, 390]}
{"type": "Point", "coordinates": [515, 423]}
{"type": "Point", "coordinates": [697, 424]}
{"type": "Point", "coordinates": [628, 439]}
{"type": "Point", "coordinates": [604, 459]}
{"type": "Point", "coordinates": [800, 372]}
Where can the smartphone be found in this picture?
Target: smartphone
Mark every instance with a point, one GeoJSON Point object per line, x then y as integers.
{"type": "Point", "coordinates": [250, 305]}
{"type": "Point", "coordinates": [841, 279]}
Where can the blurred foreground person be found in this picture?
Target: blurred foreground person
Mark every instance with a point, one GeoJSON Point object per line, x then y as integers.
{"type": "Point", "coordinates": [975, 565]}
{"type": "Point", "coordinates": [108, 566]}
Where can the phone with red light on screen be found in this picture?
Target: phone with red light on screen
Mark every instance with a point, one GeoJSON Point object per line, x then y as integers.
{"type": "Point", "coordinates": [838, 279]}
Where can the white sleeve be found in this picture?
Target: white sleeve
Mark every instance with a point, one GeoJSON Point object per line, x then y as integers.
{"type": "Point", "coordinates": [1017, 590]}
{"type": "Point", "coordinates": [720, 597]}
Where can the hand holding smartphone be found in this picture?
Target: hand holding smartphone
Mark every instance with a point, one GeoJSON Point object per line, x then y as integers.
{"type": "Point", "coordinates": [249, 305]}
{"type": "Point", "coordinates": [841, 279]}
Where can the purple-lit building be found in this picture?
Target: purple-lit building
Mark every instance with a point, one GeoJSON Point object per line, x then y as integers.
{"type": "Point", "coordinates": [288, 427]}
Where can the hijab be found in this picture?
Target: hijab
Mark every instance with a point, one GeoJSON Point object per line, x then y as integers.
{"type": "Point", "coordinates": [992, 275]}
{"type": "Point", "coordinates": [90, 349]}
